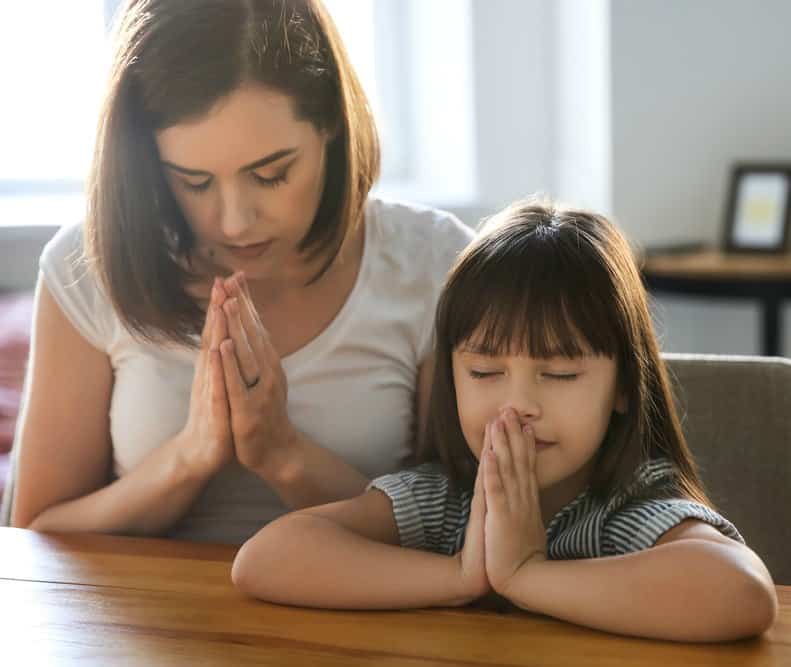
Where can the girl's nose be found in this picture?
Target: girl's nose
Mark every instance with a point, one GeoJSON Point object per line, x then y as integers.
{"type": "Point", "coordinates": [527, 408]}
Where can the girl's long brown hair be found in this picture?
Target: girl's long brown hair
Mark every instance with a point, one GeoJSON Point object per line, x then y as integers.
{"type": "Point", "coordinates": [174, 59]}
{"type": "Point", "coordinates": [548, 280]}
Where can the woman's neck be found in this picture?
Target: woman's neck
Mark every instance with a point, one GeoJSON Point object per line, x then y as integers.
{"type": "Point", "coordinates": [295, 283]}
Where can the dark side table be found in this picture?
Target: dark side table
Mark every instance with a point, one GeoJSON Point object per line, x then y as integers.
{"type": "Point", "coordinates": [714, 273]}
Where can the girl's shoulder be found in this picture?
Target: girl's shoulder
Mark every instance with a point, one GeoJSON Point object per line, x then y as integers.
{"type": "Point", "coordinates": [630, 520]}
{"type": "Point", "coordinates": [650, 506]}
{"type": "Point", "coordinates": [429, 510]}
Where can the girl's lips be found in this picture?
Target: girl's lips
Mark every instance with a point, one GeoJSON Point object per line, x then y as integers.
{"type": "Point", "coordinates": [250, 251]}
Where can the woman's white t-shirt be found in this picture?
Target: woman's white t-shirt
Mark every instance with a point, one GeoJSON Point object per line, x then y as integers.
{"type": "Point", "coordinates": [351, 389]}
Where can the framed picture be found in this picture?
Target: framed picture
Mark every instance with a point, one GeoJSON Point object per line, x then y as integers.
{"type": "Point", "coordinates": [759, 208]}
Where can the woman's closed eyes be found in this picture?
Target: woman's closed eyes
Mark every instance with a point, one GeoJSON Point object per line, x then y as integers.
{"type": "Point", "coordinates": [263, 181]}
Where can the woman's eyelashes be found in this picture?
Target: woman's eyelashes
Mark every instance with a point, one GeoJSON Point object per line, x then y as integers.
{"type": "Point", "coordinates": [263, 181]}
{"type": "Point", "coordinates": [197, 187]}
{"type": "Point", "coordinates": [270, 182]}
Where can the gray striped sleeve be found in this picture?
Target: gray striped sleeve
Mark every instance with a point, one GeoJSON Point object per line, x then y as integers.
{"type": "Point", "coordinates": [430, 515]}
{"type": "Point", "coordinates": [639, 524]}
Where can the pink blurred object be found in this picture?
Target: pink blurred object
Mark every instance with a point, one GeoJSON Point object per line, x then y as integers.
{"type": "Point", "coordinates": [16, 316]}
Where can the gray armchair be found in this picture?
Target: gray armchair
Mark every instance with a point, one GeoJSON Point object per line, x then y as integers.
{"type": "Point", "coordinates": [736, 413]}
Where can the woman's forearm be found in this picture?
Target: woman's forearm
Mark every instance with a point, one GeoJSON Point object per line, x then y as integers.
{"type": "Point", "coordinates": [690, 590]}
{"type": "Point", "coordinates": [146, 501]}
{"type": "Point", "coordinates": [304, 474]}
{"type": "Point", "coordinates": [311, 561]}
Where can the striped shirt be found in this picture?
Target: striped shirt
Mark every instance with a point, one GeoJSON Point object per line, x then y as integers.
{"type": "Point", "coordinates": [432, 515]}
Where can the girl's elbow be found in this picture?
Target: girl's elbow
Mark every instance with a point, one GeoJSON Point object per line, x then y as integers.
{"type": "Point", "coordinates": [257, 560]}
{"type": "Point", "coordinates": [755, 605]}
{"type": "Point", "coordinates": [251, 566]}
{"type": "Point", "coordinates": [763, 598]}
{"type": "Point", "coordinates": [243, 566]}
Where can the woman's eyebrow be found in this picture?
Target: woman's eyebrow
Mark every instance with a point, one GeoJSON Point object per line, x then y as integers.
{"type": "Point", "coordinates": [262, 162]}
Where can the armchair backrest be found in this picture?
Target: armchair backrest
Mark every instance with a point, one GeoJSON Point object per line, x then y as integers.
{"type": "Point", "coordinates": [736, 413]}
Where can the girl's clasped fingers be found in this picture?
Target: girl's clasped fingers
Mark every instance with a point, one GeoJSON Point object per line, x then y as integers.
{"type": "Point", "coordinates": [492, 478]}
{"type": "Point", "coordinates": [518, 445]}
{"type": "Point", "coordinates": [505, 462]}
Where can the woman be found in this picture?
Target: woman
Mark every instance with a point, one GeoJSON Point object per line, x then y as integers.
{"type": "Point", "coordinates": [229, 195]}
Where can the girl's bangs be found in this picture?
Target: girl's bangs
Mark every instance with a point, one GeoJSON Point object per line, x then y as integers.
{"type": "Point", "coordinates": [532, 299]}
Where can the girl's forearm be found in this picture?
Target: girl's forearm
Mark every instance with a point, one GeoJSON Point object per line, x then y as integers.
{"type": "Point", "coordinates": [312, 561]}
{"type": "Point", "coordinates": [304, 474]}
{"type": "Point", "coordinates": [690, 590]}
{"type": "Point", "coordinates": [146, 501]}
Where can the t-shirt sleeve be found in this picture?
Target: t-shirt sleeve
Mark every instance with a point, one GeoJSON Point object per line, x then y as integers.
{"type": "Point", "coordinates": [451, 236]}
{"type": "Point", "coordinates": [76, 288]}
{"type": "Point", "coordinates": [639, 524]}
{"type": "Point", "coordinates": [429, 513]}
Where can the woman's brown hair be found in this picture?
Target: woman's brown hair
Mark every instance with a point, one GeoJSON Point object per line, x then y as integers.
{"type": "Point", "coordinates": [174, 60]}
{"type": "Point", "coordinates": [547, 280]}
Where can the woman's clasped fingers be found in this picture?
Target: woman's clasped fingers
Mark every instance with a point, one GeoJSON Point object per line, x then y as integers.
{"type": "Point", "coordinates": [257, 334]}
{"type": "Point", "coordinates": [248, 361]}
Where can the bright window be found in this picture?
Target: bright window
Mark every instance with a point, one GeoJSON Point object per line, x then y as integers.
{"type": "Point", "coordinates": [53, 58]}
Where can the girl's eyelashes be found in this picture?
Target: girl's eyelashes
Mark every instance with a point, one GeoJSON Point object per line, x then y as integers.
{"type": "Point", "coordinates": [479, 375]}
{"type": "Point", "coordinates": [563, 377]}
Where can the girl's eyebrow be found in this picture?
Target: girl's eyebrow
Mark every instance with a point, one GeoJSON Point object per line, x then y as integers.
{"type": "Point", "coordinates": [262, 162]}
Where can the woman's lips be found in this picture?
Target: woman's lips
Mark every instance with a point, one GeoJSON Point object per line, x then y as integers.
{"type": "Point", "coordinates": [252, 251]}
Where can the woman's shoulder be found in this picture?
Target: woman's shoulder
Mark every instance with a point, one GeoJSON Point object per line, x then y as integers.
{"type": "Point", "coordinates": [64, 246]}
{"type": "Point", "coordinates": [411, 226]}
{"type": "Point", "coordinates": [76, 287]}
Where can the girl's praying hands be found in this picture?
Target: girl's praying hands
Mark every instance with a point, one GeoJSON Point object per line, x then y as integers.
{"type": "Point", "coordinates": [515, 535]}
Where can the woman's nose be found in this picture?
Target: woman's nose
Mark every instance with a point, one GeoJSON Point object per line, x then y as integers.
{"type": "Point", "coordinates": [238, 214]}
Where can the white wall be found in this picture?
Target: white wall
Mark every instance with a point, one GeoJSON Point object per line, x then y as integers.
{"type": "Point", "coordinates": [514, 98]}
{"type": "Point", "coordinates": [696, 85]}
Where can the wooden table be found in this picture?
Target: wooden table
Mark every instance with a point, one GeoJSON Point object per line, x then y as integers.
{"type": "Point", "coordinates": [713, 273]}
{"type": "Point", "coordinates": [99, 600]}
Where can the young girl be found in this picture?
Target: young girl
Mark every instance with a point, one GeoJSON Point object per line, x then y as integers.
{"type": "Point", "coordinates": [565, 484]}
